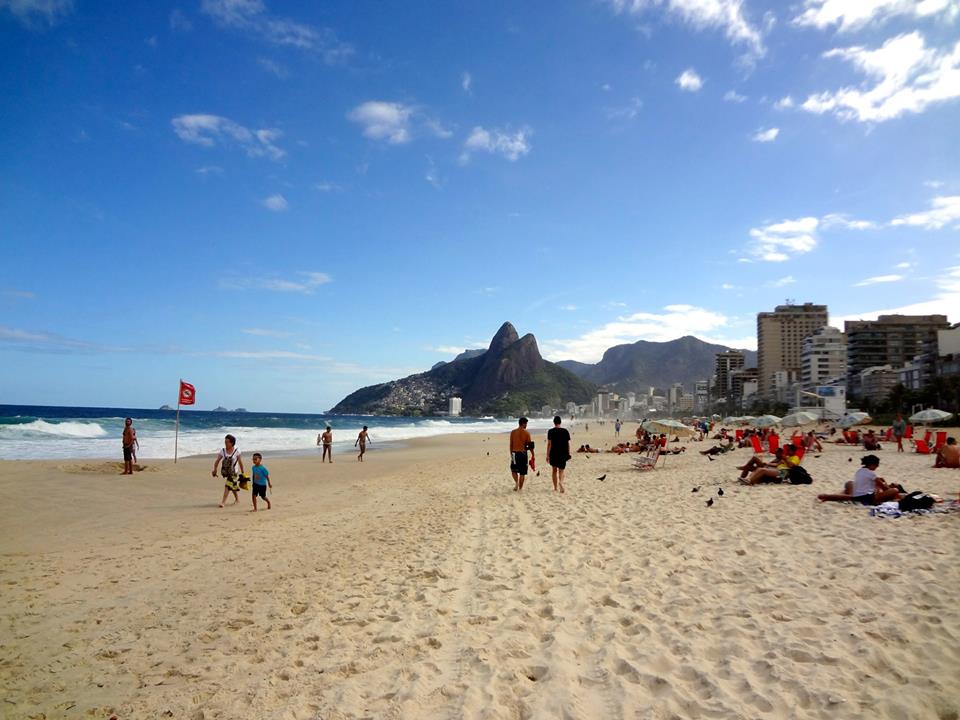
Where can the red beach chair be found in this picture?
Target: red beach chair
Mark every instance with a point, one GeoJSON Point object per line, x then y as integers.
{"type": "Point", "coordinates": [922, 447]}
{"type": "Point", "coordinates": [738, 435]}
{"type": "Point", "coordinates": [757, 447]}
{"type": "Point", "coordinates": [908, 433]}
{"type": "Point", "coordinates": [773, 442]}
{"type": "Point", "coordinates": [889, 436]}
{"type": "Point", "coordinates": [797, 440]}
{"type": "Point", "coordinates": [801, 451]}
{"type": "Point", "coordinates": [941, 440]}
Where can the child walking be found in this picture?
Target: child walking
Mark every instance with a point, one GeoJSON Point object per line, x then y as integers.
{"type": "Point", "coordinates": [261, 481]}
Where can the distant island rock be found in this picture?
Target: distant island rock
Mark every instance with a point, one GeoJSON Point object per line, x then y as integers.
{"type": "Point", "coordinates": [220, 408]}
{"type": "Point", "coordinates": [166, 407]}
{"type": "Point", "coordinates": [509, 377]}
{"type": "Point", "coordinates": [240, 410]}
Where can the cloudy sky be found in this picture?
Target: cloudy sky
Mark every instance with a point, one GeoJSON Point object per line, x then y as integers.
{"type": "Point", "coordinates": [284, 201]}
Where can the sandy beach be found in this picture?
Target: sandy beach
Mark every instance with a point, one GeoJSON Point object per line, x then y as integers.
{"type": "Point", "coordinates": [419, 585]}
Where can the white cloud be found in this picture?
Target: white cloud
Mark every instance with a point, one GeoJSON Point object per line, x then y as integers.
{"type": "Point", "coordinates": [847, 223]}
{"type": "Point", "coordinates": [877, 279]}
{"type": "Point", "coordinates": [689, 80]}
{"type": "Point", "coordinates": [568, 308]}
{"type": "Point", "coordinates": [727, 286]}
{"type": "Point", "coordinates": [276, 202]}
{"type": "Point", "coordinates": [784, 103]}
{"type": "Point", "coordinates": [854, 14]}
{"type": "Point", "coordinates": [934, 184]}
{"type": "Point", "coordinates": [734, 96]}
{"type": "Point", "coordinates": [512, 146]}
{"type": "Point", "coordinates": [327, 187]}
{"type": "Point", "coordinates": [252, 16]}
{"type": "Point", "coordinates": [946, 302]}
{"type": "Point", "coordinates": [388, 121]}
{"type": "Point", "coordinates": [675, 321]}
{"type": "Point", "coordinates": [448, 349]}
{"type": "Point", "coordinates": [209, 130]}
{"type": "Point", "coordinates": [273, 67]}
{"type": "Point", "coordinates": [307, 283]}
{"type": "Point", "coordinates": [765, 136]}
{"type": "Point", "coordinates": [432, 175]}
{"type": "Point", "coordinates": [903, 266]}
{"type": "Point", "coordinates": [782, 282]}
{"type": "Point", "coordinates": [466, 82]}
{"type": "Point", "coordinates": [265, 332]}
{"type": "Point", "coordinates": [944, 211]}
{"type": "Point", "coordinates": [723, 14]}
{"type": "Point", "coordinates": [908, 78]}
{"type": "Point", "coordinates": [626, 112]}
{"type": "Point", "coordinates": [777, 242]}
{"type": "Point", "coordinates": [35, 13]}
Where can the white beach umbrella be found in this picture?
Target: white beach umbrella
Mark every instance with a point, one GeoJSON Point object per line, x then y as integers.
{"type": "Point", "coordinates": [745, 419]}
{"type": "Point", "coordinates": [765, 421]}
{"type": "Point", "coordinates": [930, 415]}
{"type": "Point", "coordinates": [799, 419]}
{"type": "Point", "coordinates": [731, 420]}
{"type": "Point", "coordinates": [856, 418]}
{"type": "Point", "coordinates": [667, 426]}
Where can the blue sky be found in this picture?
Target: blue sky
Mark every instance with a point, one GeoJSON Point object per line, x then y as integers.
{"type": "Point", "coordinates": [281, 202]}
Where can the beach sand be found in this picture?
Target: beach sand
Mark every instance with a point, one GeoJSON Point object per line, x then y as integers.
{"type": "Point", "coordinates": [419, 585]}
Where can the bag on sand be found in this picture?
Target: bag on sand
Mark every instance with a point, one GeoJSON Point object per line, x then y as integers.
{"type": "Point", "coordinates": [917, 500]}
{"type": "Point", "coordinates": [798, 475]}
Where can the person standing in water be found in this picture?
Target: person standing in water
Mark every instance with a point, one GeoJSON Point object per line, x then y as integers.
{"type": "Point", "coordinates": [361, 442]}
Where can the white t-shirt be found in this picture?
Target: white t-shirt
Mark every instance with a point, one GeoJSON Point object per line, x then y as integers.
{"type": "Point", "coordinates": [234, 458]}
{"type": "Point", "coordinates": [864, 482]}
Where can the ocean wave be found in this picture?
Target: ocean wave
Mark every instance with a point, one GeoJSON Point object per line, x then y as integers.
{"type": "Point", "coordinates": [44, 428]}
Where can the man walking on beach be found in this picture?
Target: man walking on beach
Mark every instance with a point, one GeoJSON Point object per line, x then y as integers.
{"type": "Point", "coordinates": [129, 443]}
{"type": "Point", "coordinates": [362, 442]}
{"type": "Point", "coordinates": [558, 452]}
{"type": "Point", "coordinates": [326, 438]}
{"type": "Point", "coordinates": [899, 430]}
{"type": "Point", "coordinates": [520, 442]}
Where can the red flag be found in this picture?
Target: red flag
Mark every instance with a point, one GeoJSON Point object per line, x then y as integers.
{"type": "Point", "coordinates": [188, 394]}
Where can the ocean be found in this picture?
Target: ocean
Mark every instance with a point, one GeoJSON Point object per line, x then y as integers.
{"type": "Point", "coordinates": [32, 432]}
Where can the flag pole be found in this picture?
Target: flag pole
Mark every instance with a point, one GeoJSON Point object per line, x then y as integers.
{"type": "Point", "coordinates": [176, 435]}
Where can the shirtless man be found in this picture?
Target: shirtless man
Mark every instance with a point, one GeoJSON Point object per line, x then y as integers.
{"type": "Point", "coordinates": [520, 442]}
{"type": "Point", "coordinates": [362, 442]}
{"type": "Point", "coordinates": [949, 455]}
{"type": "Point", "coordinates": [129, 444]}
{"type": "Point", "coordinates": [326, 439]}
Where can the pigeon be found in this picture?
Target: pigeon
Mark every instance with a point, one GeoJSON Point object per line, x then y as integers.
{"type": "Point", "coordinates": [709, 458]}
{"type": "Point", "coordinates": [696, 489]}
{"type": "Point", "coordinates": [849, 459]}
{"type": "Point", "coordinates": [488, 454]}
{"type": "Point", "coordinates": [538, 473]}
{"type": "Point", "coordinates": [602, 478]}
{"type": "Point", "coordinates": [720, 492]}
{"type": "Point", "coordinates": [709, 502]}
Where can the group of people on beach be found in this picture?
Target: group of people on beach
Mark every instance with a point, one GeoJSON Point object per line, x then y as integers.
{"type": "Point", "coordinates": [228, 460]}
{"type": "Point", "coordinates": [326, 440]}
{"type": "Point", "coordinates": [558, 453]}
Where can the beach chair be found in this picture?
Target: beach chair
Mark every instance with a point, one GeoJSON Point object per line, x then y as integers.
{"type": "Point", "coordinates": [940, 441]}
{"type": "Point", "coordinates": [648, 461]}
{"type": "Point", "coordinates": [908, 433]}
{"type": "Point", "coordinates": [757, 447]}
{"type": "Point", "coordinates": [773, 442]}
{"type": "Point", "coordinates": [921, 447]}
{"type": "Point", "coordinates": [889, 436]}
{"type": "Point", "coordinates": [801, 451]}
{"type": "Point", "coordinates": [738, 435]}
{"type": "Point", "coordinates": [797, 440]}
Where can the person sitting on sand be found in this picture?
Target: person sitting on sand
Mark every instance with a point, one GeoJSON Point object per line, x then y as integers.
{"type": "Point", "coordinates": [719, 449]}
{"type": "Point", "coordinates": [866, 487]}
{"type": "Point", "coordinates": [870, 441]}
{"type": "Point", "coordinates": [587, 449]}
{"type": "Point", "coordinates": [949, 455]}
{"type": "Point", "coordinates": [757, 461]}
{"type": "Point", "coordinates": [778, 472]}
{"type": "Point", "coordinates": [811, 442]}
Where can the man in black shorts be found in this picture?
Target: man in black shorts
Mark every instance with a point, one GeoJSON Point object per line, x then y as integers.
{"type": "Point", "coordinates": [520, 442]}
{"type": "Point", "coordinates": [558, 452]}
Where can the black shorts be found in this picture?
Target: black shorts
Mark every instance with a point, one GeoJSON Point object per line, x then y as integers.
{"type": "Point", "coordinates": [862, 499]}
{"type": "Point", "coordinates": [260, 491]}
{"type": "Point", "coordinates": [560, 463]}
{"type": "Point", "coordinates": [518, 462]}
{"type": "Point", "coordinates": [127, 453]}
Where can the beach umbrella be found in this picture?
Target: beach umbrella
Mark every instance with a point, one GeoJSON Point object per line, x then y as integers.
{"type": "Point", "coordinates": [765, 421]}
{"type": "Point", "coordinates": [930, 415]}
{"type": "Point", "coordinates": [731, 420]}
{"type": "Point", "coordinates": [745, 419]}
{"type": "Point", "coordinates": [667, 426]}
{"type": "Point", "coordinates": [856, 418]}
{"type": "Point", "coordinates": [799, 419]}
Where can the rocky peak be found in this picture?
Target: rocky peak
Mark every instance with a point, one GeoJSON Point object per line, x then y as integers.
{"type": "Point", "coordinates": [505, 337]}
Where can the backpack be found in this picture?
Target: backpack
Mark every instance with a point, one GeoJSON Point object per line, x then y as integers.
{"type": "Point", "coordinates": [227, 469]}
{"type": "Point", "coordinates": [798, 475]}
{"type": "Point", "coordinates": [917, 500]}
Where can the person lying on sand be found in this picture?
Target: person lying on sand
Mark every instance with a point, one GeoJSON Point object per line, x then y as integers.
{"type": "Point", "coordinates": [777, 474]}
{"type": "Point", "coordinates": [587, 449]}
{"type": "Point", "coordinates": [867, 487]}
{"type": "Point", "coordinates": [949, 455]}
{"type": "Point", "coordinates": [719, 449]}
{"type": "Point", "coordinates": [811, 442]}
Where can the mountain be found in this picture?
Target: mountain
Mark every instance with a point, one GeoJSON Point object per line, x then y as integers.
{"type": "Point", "coordinates": [509, 377]}
{"type": "Point", "coordinates": [642, 364]}
{"type": "Point", "coordinates": [465, 355]}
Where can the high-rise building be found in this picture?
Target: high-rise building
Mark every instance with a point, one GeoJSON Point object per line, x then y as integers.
{"type": "Point", "coordinates": [889, 340]}
{"type": "Point", "coordinates": [456, 406]}
{"type": "Point", "coordinates": [780, 336]}
{"type": "Point", "coordinates": [739, 379]}
{"type": "Point", "coordinates": [701, 395]}
{"type": "Point", "coordinates": [724, 364]}
{"type": "Point", "coordinates": [823, 358]}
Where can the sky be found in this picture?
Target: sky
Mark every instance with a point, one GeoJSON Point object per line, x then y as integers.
{"type": "Point", "coordinates": [282, 202]}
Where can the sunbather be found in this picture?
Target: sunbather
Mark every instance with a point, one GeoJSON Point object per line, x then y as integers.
{"type": "Point", "coordinates": [866, 487]}
{"type": "Point", "coordinates": [778, 473]}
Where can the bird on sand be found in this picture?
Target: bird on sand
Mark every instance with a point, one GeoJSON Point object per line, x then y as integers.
{"type": "Point", "coordinates": [709, 502]}
{"type": "Point", "coordinates": [720, 492]}
{"type": "Point", "coordinates": [709, 458]}
{"type": "Point", "coordinates": [602, 478]}
{"type": "Point", "coordinates": [696, 489]}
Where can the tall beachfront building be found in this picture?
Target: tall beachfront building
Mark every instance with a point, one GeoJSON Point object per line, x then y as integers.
{"type": "Point", "coordinates": [725, 363]}
{"type": "Point", "coordinates": [891, 340]}
{"type": "Point", "coordinates": [823, 358]}
{"type": "Point", "coordinates": [456, 406]}
{"type": "Point", "coordinates": [780, 336]}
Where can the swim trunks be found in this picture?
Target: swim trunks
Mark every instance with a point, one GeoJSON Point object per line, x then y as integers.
{"type": "Point", "coordinates": [518, 462]}
{"type": "Point", "coordinates": [260, 491]}
{"type": "Point", "coordinates": [127, 453]}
